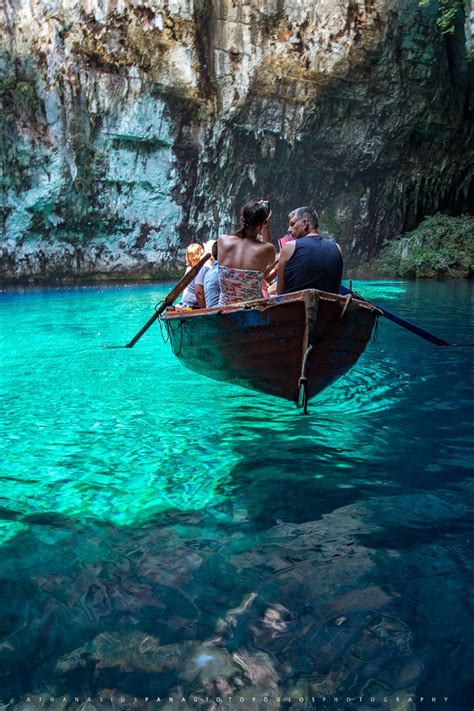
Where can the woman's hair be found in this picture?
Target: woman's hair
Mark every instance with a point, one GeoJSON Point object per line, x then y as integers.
{"type": "Point", "coordinates": [252, 215]}
{"type": "Point", "coordinates": [193, 254]}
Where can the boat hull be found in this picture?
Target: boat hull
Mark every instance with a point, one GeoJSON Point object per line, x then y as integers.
{"type": "Point", "coordinates": [262, 344]}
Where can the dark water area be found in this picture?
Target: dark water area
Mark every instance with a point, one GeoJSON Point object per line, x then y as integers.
{"type": "Point", "coordinates": [163, 535]}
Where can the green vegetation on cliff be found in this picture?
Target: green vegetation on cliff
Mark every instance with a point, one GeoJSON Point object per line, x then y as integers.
{"type": "Point", "coordinates": [440, 246]}
{"type": "Point", "coordinates": [451, 12]}
{"type": "Point", "coordinates": [447, 11]}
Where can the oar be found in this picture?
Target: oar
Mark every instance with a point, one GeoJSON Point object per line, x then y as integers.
{"type": "Point", "coordinates": [401, 321]}
{"type": "Point", "coordinates": [172, 296]}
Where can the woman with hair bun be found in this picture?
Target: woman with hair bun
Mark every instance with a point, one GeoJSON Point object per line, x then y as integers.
{"type": "Point", "coordinates": [244, 258]}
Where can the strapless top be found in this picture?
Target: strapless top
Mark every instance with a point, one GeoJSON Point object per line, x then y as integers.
{"type": "Point", "coordinates": [239, 285]}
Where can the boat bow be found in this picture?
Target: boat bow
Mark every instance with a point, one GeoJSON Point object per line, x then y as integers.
{"type": "Point", "coordinates": [277, 346]}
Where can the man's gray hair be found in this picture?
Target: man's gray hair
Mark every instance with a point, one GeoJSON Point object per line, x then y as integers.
{"type": "Point", "coordinates": [306, 213]}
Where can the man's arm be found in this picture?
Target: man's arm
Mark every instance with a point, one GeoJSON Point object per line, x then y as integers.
{"type": "Point", "coordinates": [285, 255]}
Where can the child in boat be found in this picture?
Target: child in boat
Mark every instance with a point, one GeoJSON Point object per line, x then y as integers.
{"type": "Point", "coordinates": [244, 257]}
{"type": "Point", "coordinates": [193, 254]}
{"type": "Point", "coordinates": [211, 280]}
{"type": "Point", "coordinates": [200, 276]}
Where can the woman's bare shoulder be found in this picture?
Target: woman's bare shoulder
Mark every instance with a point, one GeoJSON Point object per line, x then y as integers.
{"type": "Point", "coordinates": [227, 238]}
{"type": "Point", "coordinates": [269, 248]}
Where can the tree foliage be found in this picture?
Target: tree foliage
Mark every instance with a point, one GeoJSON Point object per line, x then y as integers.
{"type": "Point", "coordinates": [439, 246]}
{"type": "Point", "coordinates": [447, 11]}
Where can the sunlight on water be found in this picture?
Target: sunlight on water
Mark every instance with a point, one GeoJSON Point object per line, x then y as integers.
{"type": "Point", "coordinates": [142, 502]}
{"type": "Point", "coordinates": [123, 434]}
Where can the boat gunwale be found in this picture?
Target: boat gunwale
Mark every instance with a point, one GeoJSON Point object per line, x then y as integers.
{"type": "Point", "coordinates": [282, 299]}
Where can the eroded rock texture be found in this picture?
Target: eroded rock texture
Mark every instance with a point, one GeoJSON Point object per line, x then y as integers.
{"type": "Point", "coordinates": [130, 128]}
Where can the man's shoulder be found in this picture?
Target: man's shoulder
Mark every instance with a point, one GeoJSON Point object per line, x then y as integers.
{"type": "Point", "coordinates": [327, 238]}
{"type": "Point", "coordinates": [288, 248]}
{"type": "Point", "coordinates": [333, 241]}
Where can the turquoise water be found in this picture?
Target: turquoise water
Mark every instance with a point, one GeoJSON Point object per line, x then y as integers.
{"type": "Point", "coordinates": [162, 534]}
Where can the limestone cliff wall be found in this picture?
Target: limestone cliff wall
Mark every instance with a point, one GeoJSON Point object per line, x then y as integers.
{"type": "Point", "coordinates": [132, 127]}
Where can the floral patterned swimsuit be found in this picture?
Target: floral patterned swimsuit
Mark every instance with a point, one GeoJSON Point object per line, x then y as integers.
{"type": "Point", "coordinates": [239, 285]}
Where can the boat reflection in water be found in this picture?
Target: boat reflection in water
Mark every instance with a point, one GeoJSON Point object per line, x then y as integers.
{"type": "Point", "coordinates": [292, 346]}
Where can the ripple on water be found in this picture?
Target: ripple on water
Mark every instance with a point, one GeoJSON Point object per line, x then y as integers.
{"type": "Point", "coordinates": [368, 389]}
{"type": "Point", "coordinates": [162, 532]}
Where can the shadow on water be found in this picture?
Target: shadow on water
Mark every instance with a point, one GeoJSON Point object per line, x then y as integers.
{"type": "Point", "coordinates": [294, 480]}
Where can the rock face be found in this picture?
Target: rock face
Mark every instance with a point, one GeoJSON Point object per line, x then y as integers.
{"type": "Point", "coordinates": [132, 127]}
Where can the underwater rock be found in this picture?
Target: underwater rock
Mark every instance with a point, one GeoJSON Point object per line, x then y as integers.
{"type": "Point", "coordinates": [209, 664]}
{"type": "Point", "coordinates": [132, 651]}
{"type": "Point", "coordinates": [259, 668]}
{"type": "Point", "coordinates": [229, 621]}
{"type": "Point", "coordinates": [385, 641]}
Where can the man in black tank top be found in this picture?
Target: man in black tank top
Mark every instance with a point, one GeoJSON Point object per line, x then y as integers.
{"type": "Point", "coordinates": [309, 261]}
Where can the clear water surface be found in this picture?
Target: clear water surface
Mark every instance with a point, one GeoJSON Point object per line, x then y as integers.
{"type": "Point", "coordinates": [165, 535]}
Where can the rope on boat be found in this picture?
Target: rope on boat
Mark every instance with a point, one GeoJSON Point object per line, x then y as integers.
{"type": "Point", "coordinates": [179, 328]}
{"type": "Point", "coordinates": [170, 330]}
{"type": "Point", "coordinates": [303, 383]}
{"type": "Point", "coordinates": [345, 307]}
{"type": "Point", "coordinates": [164, 337]}
{"type": "Point", "coordinates": [375, 331]}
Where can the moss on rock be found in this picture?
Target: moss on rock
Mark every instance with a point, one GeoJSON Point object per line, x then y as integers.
{"type": "Point", "coordinates": [440, 247]}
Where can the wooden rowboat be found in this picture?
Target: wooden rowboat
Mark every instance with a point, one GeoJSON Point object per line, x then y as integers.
{"type": "Point", "coordinates": [291, 346]}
